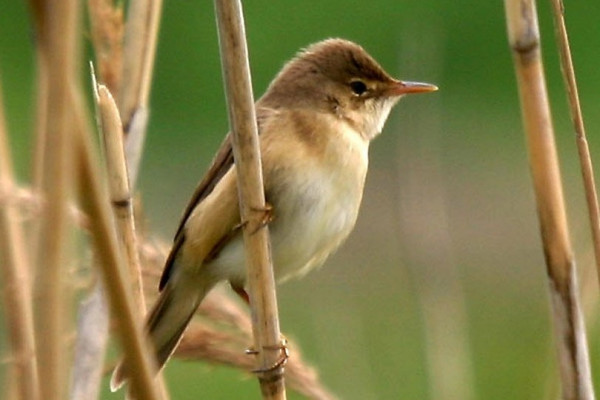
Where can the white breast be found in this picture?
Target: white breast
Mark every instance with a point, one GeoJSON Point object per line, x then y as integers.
{"type": "Point", "coordinates": [315, 208]}
{"type": "Point", "coordinates": [319, 209]}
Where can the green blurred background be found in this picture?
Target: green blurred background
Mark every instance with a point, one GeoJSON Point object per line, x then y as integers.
{"type": "Point", "coordinates": [444, 274]}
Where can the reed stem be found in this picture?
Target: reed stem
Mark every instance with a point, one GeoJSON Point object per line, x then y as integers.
{"type": "Point", "coordinates": [15, 271]}
{"type": "Point", "coordinates": [585, 159]}
{"type": "Point", "coordinates": [569, 330]}
{"type": "Point", "coordinates": [242, 118]}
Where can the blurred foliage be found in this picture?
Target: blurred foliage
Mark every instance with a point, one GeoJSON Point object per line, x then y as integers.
{"type": "Point", "coordinates": [360, 319]}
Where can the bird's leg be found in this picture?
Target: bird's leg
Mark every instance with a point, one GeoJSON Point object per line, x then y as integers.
{"type": "Point", "coordinates": [240, 291]}
{"type": "Point", "coordinates": [281, 347]}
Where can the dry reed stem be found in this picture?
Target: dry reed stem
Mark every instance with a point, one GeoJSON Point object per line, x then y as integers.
{"type": "Point", "coordinates": [141, 36]}
{"type": "Point", "coordinates": [570, 336]}
{"type": "Point", "coordinates": [128, 67]}
{"type": "Point", "coordinates": [121, 199]}
{"type": "Point", "coordinates": [242, 118]}
{"type": "Point", "coordinates": [151, 40]}
{"type": "Point", "coordinates": [106, 32]}
{"type": "Point", "coordinates": [41, 109]}
{"type": "Point", "coordinates": [38, 16]}
{"type": "Point", "coordinates": [141, 32]}
{"type": "Point", "coordinates": [60, 38]}
{"type": "Point", "coordinates": [94, 198]}
{"type": "Point", "coordinates": [585, 160]}
{"type": "Point", "coordinates": [92, 321]}
{"type": "Point", "coordinates": [15, 273]}
{"type": "Point", "coordinates": [112, 131]}
{"type": "Point", "coordinates": [134, 143]}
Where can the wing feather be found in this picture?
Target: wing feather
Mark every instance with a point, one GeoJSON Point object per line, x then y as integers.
{"type": "Point", "coordinates": [219, 167]}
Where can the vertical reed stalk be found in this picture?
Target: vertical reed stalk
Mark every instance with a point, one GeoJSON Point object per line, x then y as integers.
{"type": "Point", "coordinates": [141, 32]}
{"type": "Point", "coordinates": [15, 276]}
{"type": "Point", "coordinates": [570, 337]}
{"type": "Point", "coordinates": [60, 32]}
{"type": "Point", "coordinates": [242, 118]}
{"type": "Point", "coordinates": [41, 109]}
{"type": "Point", "coordinates": [39, 17]}
{"type": "Point", "coordinates": [141, 36]}
{"type": "Point", "coordinates": [585, 160]}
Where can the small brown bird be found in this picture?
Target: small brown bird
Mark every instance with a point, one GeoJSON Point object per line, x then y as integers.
{"type": "Point", "coordinates": [315, 122]}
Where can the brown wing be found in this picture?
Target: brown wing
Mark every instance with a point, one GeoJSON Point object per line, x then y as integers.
{"type": "Point", "coordinates": [218, 168]}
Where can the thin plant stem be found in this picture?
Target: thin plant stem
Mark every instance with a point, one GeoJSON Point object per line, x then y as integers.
{"type": "Point", "coordinates": [141, 37]}
{"type": "Point", "coordinates": [121, 199]}
{"type": "Point", "coordinates": [585, 160]}
{"type": "Point", "coordinates": [60, 34]}
{"type": "Point", "coordinates": [569, 330]}
{"type": "Point", "coordinates": [15, 271]}
{"type": "Point", "coordinates": [125, 53]}
{"type": "Point", "coordinates": [41, 111]}
{"type": "Point", "coordinates": [242, 118]}
{"type": "Point", "coordinates": [94, 201]}
{"type": "Point", "coordinates": [141, 31]}
{"type": "Point", "coordinates": [112, 133]}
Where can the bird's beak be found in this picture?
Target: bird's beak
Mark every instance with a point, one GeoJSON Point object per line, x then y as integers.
{"type": "Point", "coordinates": [399, 88]}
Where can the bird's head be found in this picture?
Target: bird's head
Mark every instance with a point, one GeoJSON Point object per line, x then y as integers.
{"type": "Point", "coordinates": [340, 77]}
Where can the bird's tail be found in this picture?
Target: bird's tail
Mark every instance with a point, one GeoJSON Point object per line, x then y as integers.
{"type": "Point", "coordinates": [166, 323]}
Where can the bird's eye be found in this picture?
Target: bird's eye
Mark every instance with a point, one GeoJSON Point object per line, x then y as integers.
{"type": "Point", "coordinates": [358, 87]}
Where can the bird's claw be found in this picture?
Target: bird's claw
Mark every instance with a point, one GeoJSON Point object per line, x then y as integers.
{"type": "Point", "coordinates": [285, 354]}
{"type": "Point", "coordinates": [266, 218]}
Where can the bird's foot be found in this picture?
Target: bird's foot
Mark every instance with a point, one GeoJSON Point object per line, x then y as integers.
{"type": "Point", "coordinates": [281, 347]}
{"type": "Point", "coordinates": [267, 216]}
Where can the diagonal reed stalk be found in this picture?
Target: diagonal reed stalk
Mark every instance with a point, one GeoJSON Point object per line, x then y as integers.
{"type": "Point", "coordinates": [242, 118]}
{"type": "Point", "coordinates": [15, 276]}
{"type": "Point", "coordinates": [93, 196]}
{"type": "Point", "coordinates": [569, 330]}
{"type": "Point", "coordinates": [121, 199]}
{"type": "Point", "coordinates": [125, 56]}
{"type": "Point", "coordinates": [585, 160]}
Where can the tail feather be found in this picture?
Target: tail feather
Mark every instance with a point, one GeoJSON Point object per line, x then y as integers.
{"type": "Point", "coordinates": [165, 324]}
